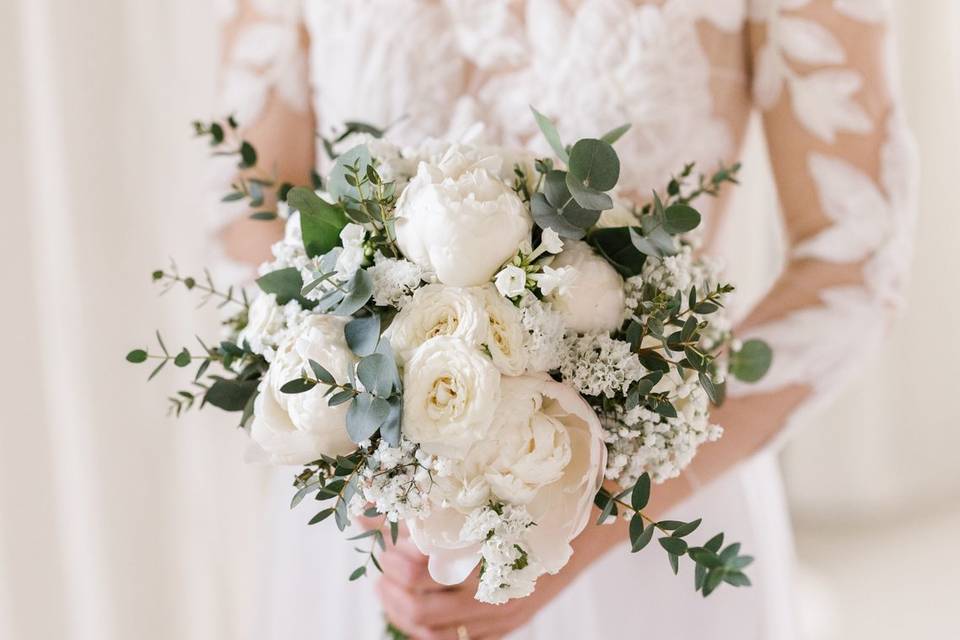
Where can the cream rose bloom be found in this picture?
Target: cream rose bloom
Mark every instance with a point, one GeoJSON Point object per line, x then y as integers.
{"type": "Point", "coordinates": [546, 451]}
{"type": "Point", "coordinates": [451, 392]}
{"type": "Point", "coordinates": [593, 300]}
{"type": "Point", "coordinates": [298, 428]}
{"type": "Point", "coordinates": [458, 219]}
{"type": "Point", "coordinates": [506, 335]}
{"type": "Point", "coordinates": [438, 310]}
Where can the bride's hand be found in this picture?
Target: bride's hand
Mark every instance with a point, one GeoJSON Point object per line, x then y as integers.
{"type": "Point", "coordinates": [425, 610]}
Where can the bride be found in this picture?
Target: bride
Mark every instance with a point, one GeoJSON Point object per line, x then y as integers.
{"type": "Point", "coordinates": [687, 74]}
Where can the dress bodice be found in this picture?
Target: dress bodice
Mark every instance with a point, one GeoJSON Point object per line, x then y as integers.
{"type": "Point", "coordinates": [686, 74]}
{"type": "Point", "coordinates": [436, 67]}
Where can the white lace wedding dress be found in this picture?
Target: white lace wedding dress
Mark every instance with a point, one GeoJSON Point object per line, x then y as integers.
{"type": "Point", "coordinates": [687, 74]}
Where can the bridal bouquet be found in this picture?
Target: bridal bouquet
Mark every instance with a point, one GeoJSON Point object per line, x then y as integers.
{"type": "Point", "coordinates": [470, 340]}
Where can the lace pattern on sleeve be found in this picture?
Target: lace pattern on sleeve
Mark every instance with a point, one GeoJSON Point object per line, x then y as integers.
{"type": "Point", "coordinates": [817, 78]}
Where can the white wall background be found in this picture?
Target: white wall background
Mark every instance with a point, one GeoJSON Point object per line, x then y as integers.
{"type": "Point", "coordinates": [116, 523]}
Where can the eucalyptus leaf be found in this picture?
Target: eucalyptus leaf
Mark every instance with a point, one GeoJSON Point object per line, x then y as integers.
{"type": "Point", "coordinates": [376, 372]}
{"type": "Point", "coordinates": [680, 218]}
{"type": "Point", "coordinates": [595, 163]}
{"type": "Point", "coordinates": [365, 415]}
{"type": "Point", "coordinates": [615, 134]}
{"type": "Point", "coordinates": [616, 245]}
{"type": "Point", "coordinates": [752, 361]}
{"type": "Point", "coordinates": [359, 290]}
{"type": "Point", "coordinates": [321, 373]}
{"type": "Point", "coordinates": [363, 335]}
{"type": "Point", "coordinates": [391, 427]}
{"type": "Point", "coordinates": [230, 395]}
{"type": "Point", "coordinates": [550, 133]}
{"type": "Point", "coordinates": [547, 217]}
{"type": "Point", "coordinates": [283, 283]}
{"type": "Point", "coordinates": [640, 495]}
{"type": "Point", "coordinates": [320, 221]}
{"type": "Point", "coordinates": [586, 197]}
{"type": "Point", "coordinates": [337, 184]}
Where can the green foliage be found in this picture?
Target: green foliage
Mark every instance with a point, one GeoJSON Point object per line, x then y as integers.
{"type": "Point", "coordinates": [363, 334]}
{"type": "Point", "coordinates": [286, 284]}
{"type": "Point", "coordinates": [356, 294]}
{"type": "Point", "coordinates": [550, 133]}
{"type": "Point", "coordinates": [712, 566]}
{"type": "Point", "coordinates": [338, 184]}
{"type": "Point", "coordinates": [320, 221]}
{"type": "Point", "coordinates": [752, 361]}
{"type": "Point", "coordinates": [595, 164]}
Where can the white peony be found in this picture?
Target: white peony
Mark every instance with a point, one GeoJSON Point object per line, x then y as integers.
{"type": "Point", "coordinates": [438, 310]}
{"type": "Point", "coordinates": [545, 450]}
{"type": "Point", "coordinates": [451, 391]}
{"type": "Point", "coordinates": [506, 334]}
{"type": "Point", "coordinates": [458, 219]}
{"type": "Point", "coordinates": [298, 428]}
{"type": "Point", "coordinates": [593, 300]}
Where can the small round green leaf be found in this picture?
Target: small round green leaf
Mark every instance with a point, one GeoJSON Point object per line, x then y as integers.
{"type": "Point", "coordinates": [680, 218]}
{"type": "Point", "coordinates": [182, 359]}
{"type": "Point", "coordinates": [365, 415]}
{"type": "Point", "coordinates": [595, 163]}
{"type": "Point", "coordinates": [752, 361]}
{"type": "Point", "coordinates": [137, 356]}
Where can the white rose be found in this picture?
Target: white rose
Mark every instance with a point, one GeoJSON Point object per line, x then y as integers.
{"type": "Point", "coordinates": [593, 300]}
{"type": "Point", "coordinates": [459, 220]}
{"type": "Point", "coordinates": [511, 281]}
{"type": "Point", "coordinates": [546, 449]}
{"type": "Point", "coordinates": [298, 428]}
{"type": "Point", "coordinates": [506, 334]}
{"type": "Point", "coordinates": [437, 310]}
{"type": "Point", "coordinates": [451, 391]}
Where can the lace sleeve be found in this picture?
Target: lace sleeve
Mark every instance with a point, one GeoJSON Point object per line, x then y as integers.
{"type": "Point", "coordinates": [264, 85]}
{"type": "Point", "coordinates": [845, 171]}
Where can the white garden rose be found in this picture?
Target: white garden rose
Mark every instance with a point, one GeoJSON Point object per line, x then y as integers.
{"type": "Point", "coordinates": [546, 451]}
{"type": "Point", "coordinates": [451, 392]}
{"type": "Point", "coordinates": [299, 428]}
{"type": "Point", "coordinates": [593, 300]}
{"type": "Point", "coordinates": [458, 219]}
{"type": "Point", "coordinates": [506, 334]}
{"type": "Point", "coordinates": [438, 310]}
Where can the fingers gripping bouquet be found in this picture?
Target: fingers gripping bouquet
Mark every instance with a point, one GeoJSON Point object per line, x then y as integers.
{"type": "Point", "coordinates": [469, 341]}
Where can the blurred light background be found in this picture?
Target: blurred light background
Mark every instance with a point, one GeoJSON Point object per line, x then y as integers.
{"type": "Point", "coordinates": [118, 523]}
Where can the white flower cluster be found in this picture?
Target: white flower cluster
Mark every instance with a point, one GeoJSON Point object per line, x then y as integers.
{"type": "Point", "coordinates": [507, 570]}
{"type": "Point", "coordinates": [268, 324]}
{"type": "Point", "coordinates": [397, 481]}
{"type": "Point", "coordinates": [597, 365]}
{"type": "Point", "coordinates": [641, 440]}
{"type": "Point", "coordinates": [545, 330]}
{"type": "Point", "coordinates": [394, 280]}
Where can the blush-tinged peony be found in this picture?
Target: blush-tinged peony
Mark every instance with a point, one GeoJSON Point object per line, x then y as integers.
{"type": "Point", "coordinates": [459, 219]}
{"type": "Point", "coordinates": [299, 428]}
{"type": "Point", "coordinates": [438, 310]}
{"type": "Point", "coordinates": [506, 334]}
{"type": "Point", "coordinates": [593, 299]}
{"type": "Point", "coordinates": [546, 451]}
{"type": "Point", "coordinates": [451, 392]}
